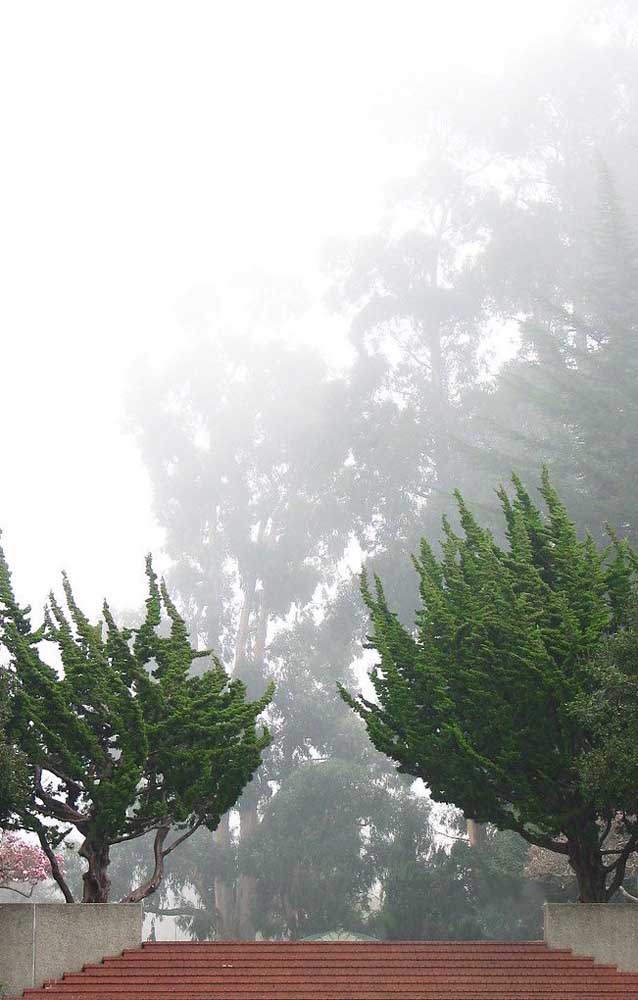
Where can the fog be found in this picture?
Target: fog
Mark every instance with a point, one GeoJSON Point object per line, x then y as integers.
{"type": "Point", "coordinates": [273, 280]}
{"type": "Point", "coordinates": [155, 155]}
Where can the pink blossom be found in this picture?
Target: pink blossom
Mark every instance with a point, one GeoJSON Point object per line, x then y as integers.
{"type": "Point", "coordinates": [21, 861]}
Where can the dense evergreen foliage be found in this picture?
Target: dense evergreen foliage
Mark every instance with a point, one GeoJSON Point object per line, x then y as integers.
{"type": "Point", "coordinates": [126, 740]}
{"type": "Point", "coordinates": [480, 700]}
{"type": "Point", "coordinates": [13, 772]}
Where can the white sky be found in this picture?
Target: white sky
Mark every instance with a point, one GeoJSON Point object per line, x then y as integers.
{"type": "Point", "coordinates": [152, 148]}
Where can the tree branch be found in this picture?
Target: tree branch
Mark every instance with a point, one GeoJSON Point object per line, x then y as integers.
{"type": "Point", "coordinates": [621, 861]}
{"type": "Point", "coordinates": [56, 871]}
{"type": "Point", "coordinates": [174, 911]}
{"type": "Point", "coordinates": [185, 836]}
{"type": "Point", "coordinates": [605, 833]}
{"type": "Point", "coordinates": [151, 884]}
{"type": "Point", "coordinates": [59, 810]}
{"type": "Point", "coordinates": [11, 888]}
{"type": "Point", "coordinates": [133, 836]}
{"type": "Point", "coordinates": [59, 773]}
{"type": "Point", "coordinates": [539, 840]}
{"type": "Point", "coordinates": [450, 836]}
{"type": "Point", "coordinates": [619, 877]}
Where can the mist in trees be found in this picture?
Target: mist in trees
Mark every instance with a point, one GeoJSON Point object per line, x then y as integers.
{"type": "Point", "coordinates": [277, 473]}
{"type": "Point", "coordinates": [298, 431]}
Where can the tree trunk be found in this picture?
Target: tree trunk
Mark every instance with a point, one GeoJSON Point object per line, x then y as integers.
{"type": "Point", "coordinates": [259, 648]}
{"type": "Point", "coordinates": [97, 884]}
{"type": "Point", "coordinates": [224, 891]}
{"type": "Point", "coordinates": [244, 622]}
{"type": "Point", "coordinates": [588, 866]}
{"type": "Point", "coordinates": [249, 819]}
{"type": "Point", "coordinates": [475, 832]}
{"type": "Point", "coordinates": [247, 889]}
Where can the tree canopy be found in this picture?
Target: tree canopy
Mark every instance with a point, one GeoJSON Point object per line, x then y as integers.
{"type": "Point", "coordinates": [481, 699]}
{"type": "Point", "coordinates": [123, 740]}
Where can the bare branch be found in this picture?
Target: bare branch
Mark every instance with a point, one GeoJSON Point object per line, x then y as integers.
{"type": "Point", "coordinates": [56, 871]}
{"type": "Point", "coordinates": [185, 836]}
{"type": "Point", "coordinates": [178, 911]}
{"type": "Point", "coordinates": [450, 836]}
{"type": "Point", "coordinates": [149, 887]}
{"type": "Point", "coordinates": [11, 888]}
{"type": "Point", "coordinates": [133, 836]}
{"type": "Point", "coordinates": [620, 863]}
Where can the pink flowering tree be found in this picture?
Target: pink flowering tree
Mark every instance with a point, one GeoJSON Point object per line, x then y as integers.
{"type": "Point", "coordinates": [23, 863]}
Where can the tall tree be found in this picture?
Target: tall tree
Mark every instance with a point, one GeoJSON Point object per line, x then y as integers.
{"type": "Point", "coordinates": [570, 397]}
{"type": "Point", "coordinates": [316, 848]}
{"type": "Point", "coordinates": [126, 740]}
{"type": "Point", "coordinates": [419, 315]}
{"type": "Point", "coordinates": [244, 441]}
{"type": "Point", "coordinates": [503, 639]}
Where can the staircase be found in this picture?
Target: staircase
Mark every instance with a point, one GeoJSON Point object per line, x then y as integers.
{"type": "Point", "coordinates": [410, 970]}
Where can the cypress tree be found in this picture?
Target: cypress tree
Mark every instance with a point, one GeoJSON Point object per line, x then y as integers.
{"type": "Point", "coordinates": [124, 740]}
{"type": "Point", "coordinates": [480, 700]}
{"type": "Point", "coordinates": [12, 763]}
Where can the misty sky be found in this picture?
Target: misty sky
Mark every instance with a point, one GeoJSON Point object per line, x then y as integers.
{"type": "Point", "coordinates": [156, 155]}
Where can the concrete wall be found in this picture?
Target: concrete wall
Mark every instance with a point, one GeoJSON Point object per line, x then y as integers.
{"type": "Point", "coordinates": [40, 941]}
{"type": "Point", "coordinates": [607, 933]}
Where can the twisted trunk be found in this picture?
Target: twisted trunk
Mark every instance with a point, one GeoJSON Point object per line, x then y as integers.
{"type": "Point", "coordinates": [590, 872]}
{"type": "Point", "coordinates": [97, 884]}
{"type": "Point", "coordinates": [599, 873]}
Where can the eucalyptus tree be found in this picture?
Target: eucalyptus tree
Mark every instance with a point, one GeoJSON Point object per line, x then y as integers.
{"type": "Point", "coordinates": [317, 848]}
{"type": "Point", "coordinates": [418, 318]}
{"type": "Point", "coordinates": [570, 396]}
{"type": "Point", "coordinates": [562, 263]}
{"type": "Point", "coordinates": [245, 441]}
{"type": "Point", "coordinates": [513, 227]}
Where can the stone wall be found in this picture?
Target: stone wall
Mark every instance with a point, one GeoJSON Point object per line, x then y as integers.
{"type": "Point", "coordinates": [40, 941]}
{"type": "Point", "coordinates": [604, 932]}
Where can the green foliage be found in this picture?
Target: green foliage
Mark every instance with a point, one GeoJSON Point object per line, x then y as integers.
{"type": "Point", "coordinates": [124, 739]}
{"type": "Point", "coordinates": [317, 848]}
{"type": "Point", "coordinates": [609, 766]}
{"type": "Point", "coordinates": [479, 699]}
{"type": "Point", "coordinates": [464, 893]}
{"type": "Point", "coordinates": [13, 770]}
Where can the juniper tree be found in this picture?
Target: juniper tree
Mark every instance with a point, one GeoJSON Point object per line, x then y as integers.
{"type": "Point", "coordinates": [483, 699]}
{"type": "Point", "coordinates": [124, 740]}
